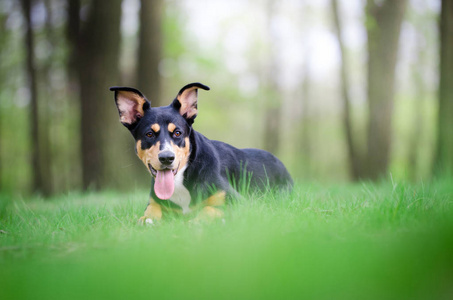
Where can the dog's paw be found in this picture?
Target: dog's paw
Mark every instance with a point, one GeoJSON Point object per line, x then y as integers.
{"type": "Point", "coordinates": [208, 214]}
{"type": "Point", "coordinates": [145, 221]}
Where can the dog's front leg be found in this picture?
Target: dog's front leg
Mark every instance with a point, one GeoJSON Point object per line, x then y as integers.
{"type": "Point", "coordinates": [210, 211]}
{"type": "Point", "coordinates": [153, 212]}
{"type": "Point", "coordinates": [208, 214]}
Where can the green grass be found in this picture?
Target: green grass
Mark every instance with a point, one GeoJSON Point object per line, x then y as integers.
{"type": "Point", "coordinates": [362, 241]}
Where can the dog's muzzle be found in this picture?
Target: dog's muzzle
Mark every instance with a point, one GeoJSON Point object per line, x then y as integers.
{"type": "Point", "coordinates": [166, 158]}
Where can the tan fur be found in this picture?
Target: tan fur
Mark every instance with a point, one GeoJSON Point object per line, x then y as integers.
{"type": "Point", "coordinates": [153, 211]}
{"type": "Point", "coordinates": [182, 154]}
{"type": "Point", "coordinates": [218, 199]}
{"type": "Point", "coordinates": [171, 127]}
{"type": "Point", "coordinates": [208, 214]}
{"type": "Point", "coordinates": [149, 156]}
{"type": "Point", "coordinates": [155, 127]}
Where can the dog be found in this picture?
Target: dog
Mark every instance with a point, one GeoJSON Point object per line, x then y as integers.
{"type": "Point", "coordinates": [188, 170]}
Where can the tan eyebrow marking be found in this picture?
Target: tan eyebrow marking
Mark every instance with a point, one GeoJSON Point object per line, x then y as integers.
{"type": "Point", "coordinates": [155, 127]}
{"type": "Point", "coordinates": [171, 127]}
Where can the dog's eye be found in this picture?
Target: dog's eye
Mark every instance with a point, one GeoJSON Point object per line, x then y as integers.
{"type": "Point", "coordinates": [150, 134]}
{"type": "Point", "coordinates": [177, 133]}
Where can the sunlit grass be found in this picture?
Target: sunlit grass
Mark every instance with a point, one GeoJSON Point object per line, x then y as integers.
{"type": "Point", "coordinates": [385, 241]}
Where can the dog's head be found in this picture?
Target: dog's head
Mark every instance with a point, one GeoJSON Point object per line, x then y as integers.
{"type": "Point", "coordinates": [161, 133]}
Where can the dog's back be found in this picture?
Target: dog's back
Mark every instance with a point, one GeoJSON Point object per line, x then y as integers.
{"type": "Point", "coordinates": [249, 168]}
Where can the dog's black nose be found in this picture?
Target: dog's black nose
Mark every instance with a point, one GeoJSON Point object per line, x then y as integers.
{"type": "Point", "coordinates": [166, 157]}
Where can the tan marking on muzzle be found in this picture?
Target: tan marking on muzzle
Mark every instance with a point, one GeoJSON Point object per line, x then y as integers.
{"type": "Point", "coordinates": [149, 156]}
{"type": "Point", "coordinates": [181, 154]}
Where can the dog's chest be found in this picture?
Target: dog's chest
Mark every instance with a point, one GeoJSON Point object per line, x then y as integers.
{"type": "Point", "coordinates": [181, 195]}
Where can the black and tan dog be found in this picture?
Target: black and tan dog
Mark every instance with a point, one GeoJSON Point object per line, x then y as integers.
{"type": "Point", "coordinates": [188, 170]}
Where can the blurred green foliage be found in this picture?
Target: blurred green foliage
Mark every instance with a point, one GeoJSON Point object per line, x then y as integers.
{"type": "Point", "coordinates": [233, 111]}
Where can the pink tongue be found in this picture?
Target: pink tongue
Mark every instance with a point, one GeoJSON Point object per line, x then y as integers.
{"type": "Point", "coordinates": [164, 186]}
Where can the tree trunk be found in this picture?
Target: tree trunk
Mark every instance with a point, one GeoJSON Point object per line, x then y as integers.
{"type": "Point", "coordinates": [70, 162]}
{"type": "Point", "coordinates": [444, 151]}
{"type": "Point", "coordinates": [354, 156]}
{"type": "Point", "coordinates": [383, 29]}
{"type": "Point", "coordinates": [149, 50]}
{"type": "Point", "coordinates": [98, 69]}
{"type": "Point", "coordinates": [4, 35]}
{"type": "Point", "coordinates": [420, 94]}
{"type": "Point", "coordinates": [72, 35]}
{"type": "Point", "coordinates": [45, 113]}
{"type": "Point", "coordinates": [34, 125]}
{"type": "Point", "coordinates": [272, 98]}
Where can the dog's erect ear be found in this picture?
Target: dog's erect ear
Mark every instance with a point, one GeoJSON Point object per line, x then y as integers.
{"type": "Point", "coordinates": [186, 101]}
{"type": "Point", "coordinates": [131, 105]}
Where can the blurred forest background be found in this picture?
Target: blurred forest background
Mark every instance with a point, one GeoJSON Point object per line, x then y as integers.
{"type": "Point", "coordinates": [338, 89]}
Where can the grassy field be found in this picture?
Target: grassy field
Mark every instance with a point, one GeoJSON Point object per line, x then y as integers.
{"type": "Point", "coordinates": [363, 241]}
